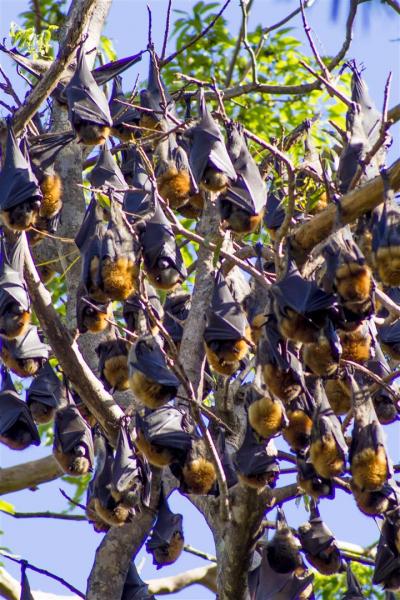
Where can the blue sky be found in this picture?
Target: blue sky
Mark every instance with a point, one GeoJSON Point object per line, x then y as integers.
{"type": "Point", "coordinates": [68, 548]}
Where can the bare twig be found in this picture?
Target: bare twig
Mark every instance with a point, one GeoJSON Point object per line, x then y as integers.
{"type": "Point", "coordinates": [378, 380]}
{"type": "Point", "coordinates": [200, 553]}
{"type": "Point", "coordinates": [314, 50]}
{"type": "Point", "coordinates": [28, 565]}
{"type": "Point", "coordinates": [166, 32]}
{"type": "Point", "coordinates": [44, 515]}
{"type": "Point", "coordinates": [245, 5]}
{"type": "Point", "coordinates": [328, 84]}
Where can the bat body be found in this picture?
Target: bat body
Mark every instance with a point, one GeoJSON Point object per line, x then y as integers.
{"type": "Point", "coordinates": [113, 364]}
{"type": "Point", "coordinates": [356, 344]}
{"type": "Point", "coordinates": [209, 160]}
{"type": "Point", "coordinates": [156, 116]}
{"type": "Point", "coordinates": [150, 379]}
{"type": "Point", "coordinates": [368, 460]}
{"type": "Point", "coordinates": [25, 354]}
{"type": "Point", "coordinates": [387, 562]}
{"type": "Point", "coordinates": [162, 258]}
{"type": "Point", "coordinates": [92, 317]}
{"type": "Point", "coordinates": [121, 114]}
{"type": "Point", "coordinates": [309, 480]}
{"type": "Point", "coordinates": [319, 544]}
{"type": "Point", "coordinates": [134, 587]}
{"type": "Point", "coordinates": [256, 465]}
{"type": "Point", "coordinates": [386, 239]}
{"type": "Point", "coordinates": [136, 314]}
{"type": "Point", "coordinates": [175, 181]}
{"type": "Point", "coordinates": [322, 357]}
{"type": "Point", "coordinates": [108, 177]}
{"type": "Point", "coordinates": [176, 310]}
{"type": "Point", "coordinates": [283, 551]}
{"type": "Point", "coordinates": [17, 429]}
{"type": "Point", "coordinates": [20, 194]}
{"type": "Point", "coordinates": [226, 332]}
{"type": "Point", "coordinates": [266, 416]}
{"type": "Point", "coordinates": [14, 299]}
{"type": "Point", "coordinates": [166, 541]}
{"type": "Point", "coordinates": [374, 503]}
{"type": "Point", "coordinates": [44, 395]}
{"type": "Point", "coordinates": [88, 109]}
{"type": "Point", "coordinates": [338, 392]}
{"type": "Point", "coordinates": [354, 590]}
{"type": "Point", "coordinates": [73, 443]}
{"type": "Point", "coordinates": [297, 432]}
{"type": "Point", "coordinates": [197, 475]}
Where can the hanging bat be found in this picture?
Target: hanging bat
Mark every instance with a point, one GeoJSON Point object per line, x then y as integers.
{"type": "Point", "coordinates": [319, 544]}
{"type": "Point", "coordinates": [162, 258]}
{"type": "Point", "coordinates": [242, 206]}
{"type": "Point", "coordinates": [196, 473]}
{"type": "Point", "coordinates": [226, 451]}
{"type": "Point", "coordinates": [89, 241]}
{"type": "Point", "coordinates": [338, 392]}
{"type": "Point", "coordinates": [94, 316]}
{"type": "Point", "coordinates": [385, 406]}
{"type": "Point", "coordinates": [134, 587]}
{"type": "Point", "coordinates": [122, 115]}
{"type": "Point", "coordinates": [283, 549]}
{"type": "Point", "coordinates": [107, 176]}
{"type": "Point", "coordinates": [266, 414]}
{"type": "Point", "coordinates": [164, 435]}
{"type": "Point", "coordinates": [20, 194]}
{"type": "Point", "coordinates": [153, 98]}
{"type": "Point", "coordinates": [93, 518]}
{"type": "Point", "coordinates": [386, 237]}
{"type": "Point", "coordinates": [131, 474]}
{"type": "Point", "coordinates": [389, 336]}
{"type": "Point", "coordinates": [119, 258]}
{"type": "Point", "coordinates": [43, 151]}
{"type": "Point", "coordinates": [106, 509]}
{"type": "Point", "coordinates": [87, 416]}
{"type": "Point", "coordinates": [377, 502]}
{"type": "Point", "coordinates": [267, 584]}
{"type": "Point", "coordinates": [134, 170]}
{"type": "Point", "coordinates": [274, 213]}
{"type": "Point", "coordinates": [136, 315]}
{"type": "Point", "coordinates": [297, 432]}
{"type": "Point", "coordinates": [387, 561]}
{"type": "Point", "coordinates": [356, 344]}
{"type": "Point", "coordinates": [313, 484]}
{"type": "Point", "coordinates": [25, 354]}
{"type": "Point", "coordinates": [73, 443]}
{"type": "Point", "coordinates": [301, 307]}
{"type": "Point", "coordinates": [176, 310]}
{"type": "Point", "coordinates": [45, 395]}
{"type": "Point", "coordinates": [113, 364]}
{"type": "Point", "coordinates": [151, 380]}
{"type": "Point", "coordinates": [256, 464]}
{"type": "Point", "coordinates": [354, 590]}
{"type": "Point", "coordinates": [175, 182]}
{"type": "Point", "coordinates": [257, 303]}
{"type": "Point", "coordinates": [25, 587]}
{"type": "Point", "coordinates": [88, 109]}
{"type": "Point", "coordinates": [322, 357]}
{"type": "Point", "coordinates": [282, 371]}
{"type": "Point", "coordinates": [17, 429]}
{"type": "Point", "coordinates": [227, 332]}
{"type": "Point", "coordinates": [328, 447]}
{"type": "Point", "coordinates": [368, 460]}
{"type": "Point", "coordinates": [166, 541]}
{"type": "Point", "coordinates": [15, 306]}
{"type": "Point", "coordinates": [209, 160]}
{"type": "Point", "coordinates": [348, 274]}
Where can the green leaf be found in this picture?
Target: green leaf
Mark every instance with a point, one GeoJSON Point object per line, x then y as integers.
{"type": "Point", "coordinates": [7, 507]}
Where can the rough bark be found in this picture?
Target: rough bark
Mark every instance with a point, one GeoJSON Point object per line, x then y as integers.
{"type": "Point", "coordinates": [29, 475]}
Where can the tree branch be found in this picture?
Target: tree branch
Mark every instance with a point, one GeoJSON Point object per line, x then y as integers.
{"type": "Point", "coordinates": [206, 576]}
{"type": "Point", "coordinates": [29, 475]}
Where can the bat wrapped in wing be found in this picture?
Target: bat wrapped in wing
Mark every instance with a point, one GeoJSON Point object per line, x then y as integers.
{"type": "Point", "coordinates": [134, 587]}
{"type": "Point", "coordinates": [91, 315]}
{"type": "Point", "coordinates": [297, 432]}
{"type": "Point", "coordinates": [166, 541]}
{"type": "Point", "coordinates": [209, 160]}
{"type": "Point", "coordinates": [136, 314]}
{"type": "Point", "coordinates": [107, 176]}
{"type": "Point", "coordinates": [301, 307]}
{"type": "Point", "coordinates": [354, 590]}
{"type": "Point", "coordinates": [162, 258]}
{"type": "Point", "coordinates": [88, 109]}
{"type": "Point", "coordinates": [283, 550]}
{"type": "Point", "coordinates": [313, 484]}
{"type": "Point", "coordinates": [20, 194]}
{"type": "Point", "coordinates": [175, 181]}
{"type": "Point", "coordinates": [387, 561]}
{"type": "Point", "coordinates": [151, 380]}
{"type": "Point", "coordinates": [242, 206]}
{"type": "Point", "coordinates": [164, 435]}
{"type": "Point", "coordinates": [17, 428]}
{"type": "Point", "coordinates": [113, 364]}
{"type": "Point", "coordinates": [378, 502]}
{"type": "Point", "coordinates": [319, 544]}
{"type": "Point", "coordinates": [328, 448]}
{"type": "Point", "coordinates": [281, 369]}
{"type": "Point", "coordinates": [389, 336]}
{"type": "Point", "coordinates": [73, 442]}
{"type": "Point", "coordinates": [123, 115]}
{"type": "Point", "coordinates": [322, 357]}
{"type": "Point", "coordinates": [45, 395]}
{"type": "Point", "coordinates": [176, 310]}
{"type": "Point", "coordinates": [25, 354]}
{"type": "Point", "coordinates": [265, 413]}
{"type": "Point", "coordinates": [157, 101]}
{"type": "Point", "coordinates": [227, 332]}
{"type": "Point", "coordinates": [256, 463]}
{"type": "Point", "coordinates": [386, 237]}
{"type": "Point", "coordinates": [119, 258]}
{"type": "Point", "coordinates": [15, 312]}
{"type": "Point", "coordinates": [196, 473]}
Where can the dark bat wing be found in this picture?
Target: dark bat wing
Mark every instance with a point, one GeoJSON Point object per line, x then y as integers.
{"type": "Point", "coordinates": [146, 356]}
{"type": "Point", "coordinates": [25, 588]}
{"type": "Point", "coordinates": [166, 525]}
{"type": "Point", "coordinates": [371, 117]}
{"type": "Point", "coordinates": [14, 410]}
{"type": "Point", "coordinates": [85, 99]}
{"type": "Point", "coordinates": [354, 590]}
{"type": "Point", "coordinates": [135, 588]}
{"type": "Point", "coordinates": [133, 305]}
{"type": "Point", "coordinates": [315, 538]}
{"type": "Point", "coordinates": [45, 388]}
{"type": "Point", "coordinates": [17, 181]}
{"type": "Point", "coordinates": [103, 74]}
{"type": "Point", "coordinates": [325, 421]}
{"type": "Point", "coordinates": [385, 225]}
{"type": "Point", "coordinates": [93, 217]}
{"type": "Point", "coordinates": [390, 334]}
{"type": "Point", "coordinates": [252, 458]}
{"type": "Point", "coordinates": [279, 586]}
{"type": "Point", "coordinates": [167, 426]}
{"type": "Point", "coordinates": [44, 149]}
{"type": "Point", "coordinates": [387, 562]}
{"type": "Point", "coordinates": [12, 286]}
{"type": "Point", "coordinates": [225, 318]}
{"type": "Point", "coordinates": [152, 98]}
{"type": "Point", "coordinates": [128, 468]}
{"type": "Point", "coordinates": [274, 210]}
{"type": "Point", "coordinates": [70, 429]}
{"type": "Point", "coordinates": [176, 310]}
{"type": "Point", "coordinates": [28, 345]}
{"type": "Point", "coordinates": [107, 174]}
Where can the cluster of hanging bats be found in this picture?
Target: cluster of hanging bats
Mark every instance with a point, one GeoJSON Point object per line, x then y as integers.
{"type": "Point", "coordinates": [298, 329]}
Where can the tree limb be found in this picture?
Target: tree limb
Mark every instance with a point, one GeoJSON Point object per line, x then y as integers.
{"type": "Point", "coordinates": [29, 475]}
{"type": "Point", "coordinates": [205, 576]}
